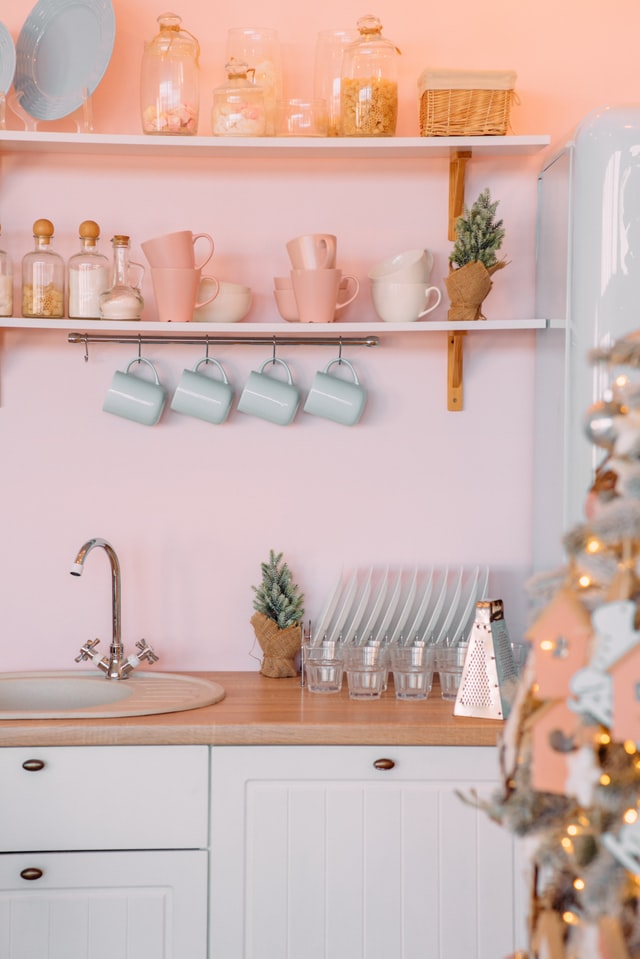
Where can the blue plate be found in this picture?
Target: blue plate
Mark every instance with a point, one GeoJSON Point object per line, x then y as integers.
{"type": "Point", "coordinates": [7, 59]}
{"type": "Point", "coordinates": [62, 53]}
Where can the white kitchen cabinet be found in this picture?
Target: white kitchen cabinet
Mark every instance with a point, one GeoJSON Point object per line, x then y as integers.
{"type": "Point", "coordinates": [325, 851]}
{"type": "Point", "coordinates": [104, 852]}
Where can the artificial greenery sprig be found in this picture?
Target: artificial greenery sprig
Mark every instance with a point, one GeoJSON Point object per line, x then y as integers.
{"type": "Point", "coordinates": [479, 234]}
{"type": "Point", "coordinates": [277, 596]}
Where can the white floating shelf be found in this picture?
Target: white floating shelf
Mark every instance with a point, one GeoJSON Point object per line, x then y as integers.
{"type": "Point", "coordinates": [12, 141]}
{"type": "Point", "coordinates": [376, 328]}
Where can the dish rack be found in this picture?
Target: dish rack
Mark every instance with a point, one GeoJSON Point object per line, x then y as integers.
{"type": "Point", "coordinates": [435, 606]}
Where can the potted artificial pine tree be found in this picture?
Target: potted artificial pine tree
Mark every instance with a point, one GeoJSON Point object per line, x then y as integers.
{"type": "Point", "coordinates": [277, 621]}
{"type": "Point", "coordinates": [473, 259]}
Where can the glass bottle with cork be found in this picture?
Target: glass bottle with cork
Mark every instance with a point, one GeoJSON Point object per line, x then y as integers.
{"type": "Point", "coordinates": [43, 276]}
{"type": "Point", "coordinates": [170, 80]}
{"type": "Point", "coordinates": [88, 274]}
{"type": "Point", "coordinates": [369, 84]}
{"type": "Point", "coordinates": [238, 105]}
{"type": "Point", "coordinates": [122, 301]}
{"type": "Point", "coordinates": [6, 284]}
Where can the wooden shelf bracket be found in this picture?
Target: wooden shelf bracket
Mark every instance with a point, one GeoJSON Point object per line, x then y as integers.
{"type": "Point", "coordinates": [457, 168]}
{"type": "Point", "coordinates": [454, 370]}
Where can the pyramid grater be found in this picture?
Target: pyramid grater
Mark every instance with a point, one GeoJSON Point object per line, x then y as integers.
{"type": "Point", "coordinates": [489, 675]}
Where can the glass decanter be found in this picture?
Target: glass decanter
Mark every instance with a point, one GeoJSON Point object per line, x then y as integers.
{"type": "Point", "coordinates": [122, 301]}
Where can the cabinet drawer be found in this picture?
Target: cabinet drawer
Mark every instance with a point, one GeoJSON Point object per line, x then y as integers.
{"type": "Point", "coordinates": [104, 797]}
{"type": "Point", "coordinates": [124, 905]}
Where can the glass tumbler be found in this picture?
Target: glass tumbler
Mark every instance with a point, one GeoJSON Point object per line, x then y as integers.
{"type": "Point", "coordinates": [412, 668]}
{"type": "Point", "coordinates": [449, 661]}
{"type": "Point", "coordinates": [323, 667]}
{"type": "Point", "coordinates": [366, 669]}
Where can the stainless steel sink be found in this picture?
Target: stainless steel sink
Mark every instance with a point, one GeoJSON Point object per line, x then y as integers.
{"type": "Point", "coordinates": [80, 694]}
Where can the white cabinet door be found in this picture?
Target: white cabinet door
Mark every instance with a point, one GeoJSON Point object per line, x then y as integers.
{"type": "Point", "coordinates": [315, 852]}
{"type": "Point", "coordinates": [106, 905]}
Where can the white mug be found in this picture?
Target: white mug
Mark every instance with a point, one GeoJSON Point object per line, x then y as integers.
{"type": "Point", "coordinates": [270, 398]}
{"type": "Point", "coordinates": [202, 396]}
{"type": "Point", "coordinates": [403, 302]}
{"type": "Point", "coordinates": [333, 398]}
{"type": "Point", "coordinates": [136, 399]}
{"type": "Point", "coordinates": [411, 266]}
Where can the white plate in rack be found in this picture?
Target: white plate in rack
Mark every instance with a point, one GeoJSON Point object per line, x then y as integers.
{"type": "Point", "coordinates": [62, 52]}
{"type": "Point", "coordinates": [7, 59]}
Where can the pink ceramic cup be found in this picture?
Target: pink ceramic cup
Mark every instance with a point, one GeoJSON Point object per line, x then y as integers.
{"type": "Point", "coordinates": [177, 250]}
{"type": "Point", "coordinates": [314, 251]}
{"type": "Point", "coordinates": [317, 294]}
{"type": "Point", "coordinates": [176, 293]}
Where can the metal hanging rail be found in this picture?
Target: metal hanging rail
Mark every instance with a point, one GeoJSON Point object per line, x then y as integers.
{"type": "Point", "coordinates": [212, 340]}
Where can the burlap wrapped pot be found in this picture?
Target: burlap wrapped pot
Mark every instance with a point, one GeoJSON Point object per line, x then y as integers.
{"type": "Point", "coordinates": [279, 646]}
{"type": "Point", "coordinates": [467, 288]}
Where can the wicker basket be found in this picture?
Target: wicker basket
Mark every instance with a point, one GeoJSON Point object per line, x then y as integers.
{"type": "Point", "coordinates": [456, 103]}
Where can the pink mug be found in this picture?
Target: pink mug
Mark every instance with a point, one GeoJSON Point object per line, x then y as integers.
{"type": "Point", "coordinates": [177, 250]}
{"type": "Point", "coordinates": [317, 294]}
{"type": "Point", "coordinates": [314, 251]}
{"type": "Point", "coordinates": [176, 293]}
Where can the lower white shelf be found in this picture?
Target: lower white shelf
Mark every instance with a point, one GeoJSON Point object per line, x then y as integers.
{"type": "Point", "coordinates": [362, 328]}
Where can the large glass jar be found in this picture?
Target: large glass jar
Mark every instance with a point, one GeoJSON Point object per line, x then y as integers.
{"type": "Point", "coordinates": [123, 300]}
{"type": "Point", "coordinates": [259, 47]}
{"type": "Point", "coordinates": [6, 284]}
{"type": "Point", "coordinates": [330, 47]}
{"type": "Point", "coordinates": [369, 85]}
{"type": "Point", "coordinates": [238, 105]}
{"type": "Point", "coordinates": [170, 80]}
{"type": "Point", "coordinates": [43, 276]}
{"type": "Point", "coordinates": [88, 274]}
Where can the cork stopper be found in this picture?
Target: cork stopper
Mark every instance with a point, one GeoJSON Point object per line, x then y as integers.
{"type": "Point", "coordinates": [120, 240]}
{"type": "Point", "coordinates": [43, 229]}
{"type": "Point", "coordinates": [89, 230]}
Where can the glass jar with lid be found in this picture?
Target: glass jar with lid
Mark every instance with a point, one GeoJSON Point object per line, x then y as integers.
{"type": "Point", "coordinates": [238, 105]}
{"type": "Point", "coordinates": [87, 273]}
{"type": "Point", "coordinates": [170, 80]}
{"type": "Point", "coordinates": [6, 284]}
{"type": "Point", "coordinates": [369, 83]}
{"type": "Point", "coordinates": [123, 300]}
{"type": "Point", "coordinates": [43, 276]}
{"type": "Point", "coordinates": [259, 47]}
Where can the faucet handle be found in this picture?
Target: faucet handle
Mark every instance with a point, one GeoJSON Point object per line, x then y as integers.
{"type": "Point", "coordinates": [88, 651]}
{"type": "Point", "coordinates": [146, 652]}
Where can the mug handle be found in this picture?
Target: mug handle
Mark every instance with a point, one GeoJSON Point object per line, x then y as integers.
{"type": "Point", "coordinates": [213, 295]}
{"type": "Point", "coordinates": [210, 359]}
{"type": "Point", "coordinates": [143, 359]}
{"type": "Point", "coordinates": [206, 236]}
{"type": "Point", "coordinates": [349, 276]}
{"type": "Point", "coordinates": [342, 362]}
{"type": "Point", "coordinates": [276, 359]}
{"type": "Point", "coordinates": [429, 290]}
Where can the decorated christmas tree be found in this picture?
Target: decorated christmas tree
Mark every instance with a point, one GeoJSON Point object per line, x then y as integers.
{"type": "Point", "coordinates": [570, 749]}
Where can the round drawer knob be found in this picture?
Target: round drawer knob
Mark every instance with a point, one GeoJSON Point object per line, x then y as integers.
{"type": "Point", "coordinates": [33, 765]}
{"type": "Point", "coordinates": [383, 764]}
{"type": "Point", "coordinates": [32, 873]}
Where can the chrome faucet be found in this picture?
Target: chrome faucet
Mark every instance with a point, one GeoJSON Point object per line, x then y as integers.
{"type": "Point", "coordinates": [116, 666]}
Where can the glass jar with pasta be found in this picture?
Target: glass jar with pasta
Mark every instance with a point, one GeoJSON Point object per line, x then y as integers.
{"type": "Point", "coordinates": [369, 84]}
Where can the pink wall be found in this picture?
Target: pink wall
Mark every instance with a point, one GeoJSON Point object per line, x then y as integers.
{"type": "Point", "coordinates": [193, 510]}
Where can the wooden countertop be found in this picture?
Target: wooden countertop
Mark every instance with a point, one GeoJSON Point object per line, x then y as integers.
{"type": "Point", "coordinates": [269, 712]}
